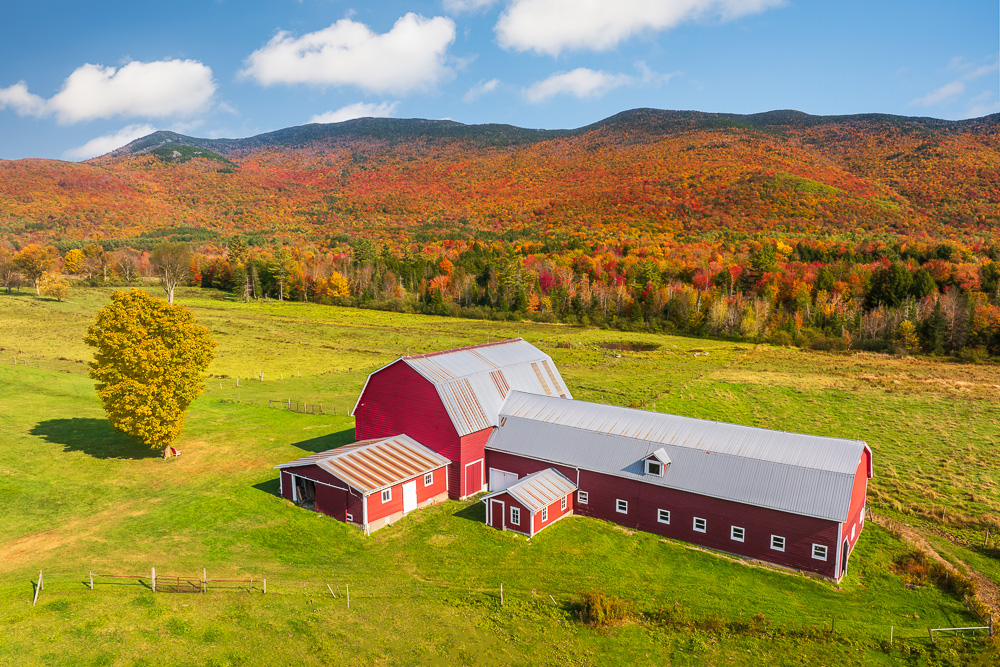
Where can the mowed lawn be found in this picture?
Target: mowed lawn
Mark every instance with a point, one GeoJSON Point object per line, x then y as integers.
{"type": "Point", "coordinates": [76, 497]}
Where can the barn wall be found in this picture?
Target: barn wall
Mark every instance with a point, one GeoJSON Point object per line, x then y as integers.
{"type": "Point", "coordinates": [858, 495]}
{"type": "Point", "coordinates": [472, 449]}
{"type": "Point", "coordinates": [524, 526]}
{"type": "Point", "coordinates": [332, 502]}
{"type": "Point", "coordinates": [555, 513]}
{"type": "Point", "coordinates": [438, 486]}
{"type": "Point", "coordinates": [759, 523]}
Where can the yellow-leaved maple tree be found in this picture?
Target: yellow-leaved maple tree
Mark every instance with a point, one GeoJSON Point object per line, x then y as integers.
{"type": "Point", "coordinates": [148, 360]}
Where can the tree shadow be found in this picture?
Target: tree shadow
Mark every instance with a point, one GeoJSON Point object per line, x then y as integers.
{"type": "Point", "coordinates": [94, 437]}
{"type": "Point", "coordinates": [325, 442]}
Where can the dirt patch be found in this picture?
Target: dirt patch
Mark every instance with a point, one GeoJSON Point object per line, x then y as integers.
{"type": "Point", "coordinates": [441, 540]}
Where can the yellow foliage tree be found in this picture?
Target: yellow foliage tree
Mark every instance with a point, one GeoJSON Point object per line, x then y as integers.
{"type": "Point", "coordinates": [73, 261]}
{"type": "Point", "coordinates": [148, 360]}
{"type": "Point", "coordinates": [53, 285]}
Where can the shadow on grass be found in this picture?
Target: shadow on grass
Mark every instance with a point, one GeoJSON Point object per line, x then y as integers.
{"type": "Point", "coordinates": [271, 486]}
{"type": "Point", "coordinates": [474, 512]}
{"type": "Point", "coordinates": [325, 442]}
{"type": "Point", "coordinates": [93, 437]}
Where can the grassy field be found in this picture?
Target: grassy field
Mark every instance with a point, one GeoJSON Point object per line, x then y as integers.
{"type": "Point", "coordinates": [77, 497]}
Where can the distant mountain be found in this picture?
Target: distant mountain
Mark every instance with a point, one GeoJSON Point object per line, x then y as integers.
{"type": "Point", "coordinates": [643, 175]}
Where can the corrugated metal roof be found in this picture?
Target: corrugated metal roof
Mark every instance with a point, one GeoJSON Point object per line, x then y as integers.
{"type": "Point", "coordinates": [806, 474]}
{"type": "Point", "coordinates": [539, 489]}
{"type": "Point", "coordinates": [474, 381]}
{"type": "Point", "coordinates": [371, 465]}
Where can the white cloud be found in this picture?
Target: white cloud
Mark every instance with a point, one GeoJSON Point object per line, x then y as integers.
{"type": "Point", "coordinates": [108, 142]}
{"type": "Point", "coordinates": [460, 6]}
{"type": "Point", "coordinates": [480, 89]}
{"type": "Point", "coordinates": [411, 56]}
{"type": "Point", "coordinates": [551, 26]}
{"type": "Point", "coordinates": [357, 110]}
{"type": "Point", "coordinates": [158, 89]}
{"type": "Point", "coordinates": [581, 82]}
{"type": "Point", "coordinates": [945, 92]}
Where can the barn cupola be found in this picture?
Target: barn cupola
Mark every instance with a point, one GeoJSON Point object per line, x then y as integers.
{"type": "Point", "coordinates": [657, 462]}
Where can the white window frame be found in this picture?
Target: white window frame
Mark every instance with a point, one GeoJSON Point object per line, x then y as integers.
{"type": "Point", "coordinates": [704, 525]}
{"type": "Point", "coordinates": [659, 467]}
{"type": "Point", "coordinates": [776, 540]}
{"type": "Point", "coordinates": [818, 549]}
{"type": "Point", "coordinates": [386, 495]}
{"type": "Point", "coordinates": [853, 529]}
{"type": "Point", "coordinates": [515, 516]}
{"type": "Point", "coordinates": [663, 516]}
{"type": "Point", "coordinates": [562, 504]}
{"type": "Point", "coordinates": [349, 517]}
{"type": "Point", "coordinates": [737, 533]}
{"type": "Point", "coordinates": [428, 478]}
{"type": "Point", "coordinates": [545, 514]}
{"type": "Point", "coordinates": [621, 506]}
{"type": "Point", "coordinates": [582, 497]}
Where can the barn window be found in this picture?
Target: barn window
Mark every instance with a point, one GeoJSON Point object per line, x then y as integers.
{"type": "Point", "coordinates": [545, 514]}
{"type": "Point", "coordinates": [428, 479]}
{"type": "Point", "coordinates": [654, 468]}
{"type": "Point", "coordinates": [777, 543]}
{"type": "Point", "coordinates": [515, 516]}
{"type": "Point", "coordinates": [581, 497]}
{"type": "Point", "coordinates": [736, 533]}
{"type": "Point", "coordinates": [562, 503]}
{"type": "Point", "coordinates": [350, 517]}
{"type": "Point", "coordinates": [621, 506]}
{"type": "Point", "coordinates": [853, 528]}
{"type": "Point", "coordinates": [700, 525]}
{"type": "Point", "coordinates": [387, 495]}
{"type": "Point", "coordinates": [819, 551]}
{"type": "Point", "coordinates": [663, 516]}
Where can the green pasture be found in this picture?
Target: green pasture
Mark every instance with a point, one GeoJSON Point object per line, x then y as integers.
{"type": "Point", "coordinates": [76, 497]}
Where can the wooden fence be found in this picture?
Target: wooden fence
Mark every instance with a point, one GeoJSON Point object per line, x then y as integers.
{"type": "Point", "coordinates": [297, 406]}
{"type": "Point", "coordinates": [182, 583]}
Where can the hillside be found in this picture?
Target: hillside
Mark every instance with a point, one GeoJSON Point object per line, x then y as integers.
{"type": "Point", "coordinates": [643, 176]}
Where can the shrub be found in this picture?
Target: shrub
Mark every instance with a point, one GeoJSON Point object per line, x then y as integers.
{"type": "Point", "coordinates": [601, 610]}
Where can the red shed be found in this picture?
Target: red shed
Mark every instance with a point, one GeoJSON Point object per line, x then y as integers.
{"type": "Point", "coordinates": [371, 483]}
{"type": "Point", "coordinates": [532, 503]}
{"type": "Point", "coordinates": [787, 498]}
{"type": "Point", "coordinates": [449, 401]}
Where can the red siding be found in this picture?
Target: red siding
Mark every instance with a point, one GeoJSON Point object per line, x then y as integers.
{"type": "Point", "coordinates": [554, 513]}
{"type": "Point", "coordinates": [331, 501]}
{"type": "Point", "coordinates": [379, 510]}
{"type": "Point", "coordinates": [508, 501]}
{"type": "Point", "coordinates": [759, 523]}
{"type": "Point", "coordinates": [473, 449]}
{"type": "Point", "coordinates": [858, 495]}
{"type": "Point", "coordinates": [396, 400]}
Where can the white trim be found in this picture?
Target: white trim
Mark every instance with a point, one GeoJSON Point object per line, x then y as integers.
{"type": "Point", "coordinates": [385, 491]}
{"type": "Point", "coordinates": [348, 517]}
{"type": "Point", "coordinates": [426, 475]}
{"type": "Point", "coordinates": [516, 510]}
{"type": "Point", "coordinates": [281, 483]}
{"type": "Point", "coordinates": [562, 504]}
{"type": "Point", "coordinates": [618, 506]}
{"type": "Point", "coordinates": [657, 463]}
{"type": "Point", "coordinates": [545, 514]}
{"type": "Point", "coordinates": [364, 512]}
{"type": "Point", "coordinates": [358, 402]}
{"type": "Point", "coordinates": [465, 476]}
{"type": "Point", "coordinates": [295, 490]}
{"type": "Point", "coordinates": [783, 543]}
{"type": "Point", "coordinates": [840, 542]}
{"type": "Point", "coordinates": [826, 551]}
{"type": "Point", "coordinates": [659, 516]}
{"type": "Point", "coordinates": [503, 509]}
{"type": "Point", "coordinates": [582, 497]}
{"type": "Point", "coordinates": [704, 525]}
{"type": "Point", "coordinates": [733, 533]}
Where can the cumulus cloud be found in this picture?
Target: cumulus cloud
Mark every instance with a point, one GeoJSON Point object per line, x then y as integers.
{"type": "Point", "coordinates": [158, 89]}
{"type": "Point", "coordinates": [357, 110]}
{"type": "Point", "coordinates": [552, 26]}
{"type": "Point", "coordinates": [108, 142]}
{"type": "Point", "coordinates": [411, 56]}
{"type": "Point", "coordinates": [945, 92]}
{"type": "Point", "coordinates": [480, 89]}
{"type": "Point", "coordinates": [461, 6]}
{"type": "Point", "coordinates": [581, 82]}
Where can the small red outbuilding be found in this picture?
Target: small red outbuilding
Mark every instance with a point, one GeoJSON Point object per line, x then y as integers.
{"type": "Point", "coordinates": [532, 503]}
{"type": "Point", "coordinates": [371, 483]}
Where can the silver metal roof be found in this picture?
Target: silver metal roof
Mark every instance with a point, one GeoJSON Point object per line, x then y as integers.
{"type": "Point", "coordinates": [372, 465]}
{"type": "Point", "coordinates": [805, 474]}
{"type": "Point", "coordinates": [474, 381]}
{"type": "Point", "coordinates": [539, 489]}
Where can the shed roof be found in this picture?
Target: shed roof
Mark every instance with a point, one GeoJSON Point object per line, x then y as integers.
{"type": "Point", "coordinates": [474, 381]}
{"type": "Point", "coordinates": [372, 465]}
{"type": "Point", "coordinates": [539, 489]}
{"type": "Point", "coordinates": [805, 474]}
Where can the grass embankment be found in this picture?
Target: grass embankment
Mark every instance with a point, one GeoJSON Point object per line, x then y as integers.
{"type": "Point", "coordinates": [77, 497]}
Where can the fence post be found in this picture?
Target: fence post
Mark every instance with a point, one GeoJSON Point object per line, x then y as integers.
{"type": "Point", "coordinates": [348, 595]}
{"type": "Point", "coordinates": [204, 580]}
{"type": "Point", "coordinates": [892, 628]}
{"type": "Point", "coordinates": [154, 579]}
{"type": "Point", "coordinates": [265, 587]}
{"type": "Point", "coordinates": [501, 595]}
{"type": "Point", "coordinates": [91, 580]}
{"type": "Point", "coordinates": [931, 633]}
{"type": "Point", "coordinates": [38, 587]}
{"type": "Point", "coordinates": [991, 625]}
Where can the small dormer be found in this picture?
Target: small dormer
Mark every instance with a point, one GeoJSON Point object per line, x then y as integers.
{"type": "Point", "coordinates": [657, 462]}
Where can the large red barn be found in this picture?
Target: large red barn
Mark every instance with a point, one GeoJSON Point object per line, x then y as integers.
{"type": "Point", "coordinates": [449, 401]}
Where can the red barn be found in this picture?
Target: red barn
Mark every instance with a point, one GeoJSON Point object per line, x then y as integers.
{"type": "Point", "coordinates": [449, 401]}
{"type": "Point", "coordinates": [531, 503]}
{"type": "Point", "coordinates": [370, 483]}
{"type": "Point", "coordinates": [786, 498]}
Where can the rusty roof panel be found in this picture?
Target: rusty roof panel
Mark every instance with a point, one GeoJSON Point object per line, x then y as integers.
{"type": "Point", "coordinates": [373, 465]}
{"type": "Point", "coordinates": [538, 490]}
{"type": "Point", "coordinates": [806, 474]}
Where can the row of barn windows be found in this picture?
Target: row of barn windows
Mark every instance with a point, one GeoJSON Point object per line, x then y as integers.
{"type": "Point", "coordinates": [700, 525]}
{"type": "Point", "coordinates": [515, 513]}
{"type": "Point", "coordinates": [387, 493]}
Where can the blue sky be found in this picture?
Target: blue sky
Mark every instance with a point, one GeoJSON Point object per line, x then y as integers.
{"type": "Point", "coordinates": [79, 79]}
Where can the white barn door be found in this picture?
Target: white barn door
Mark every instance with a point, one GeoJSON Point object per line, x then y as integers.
{"type": "Point", "coordinates": [501, 479]}
{"type": "Point", "coordinates": [410, 496]}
